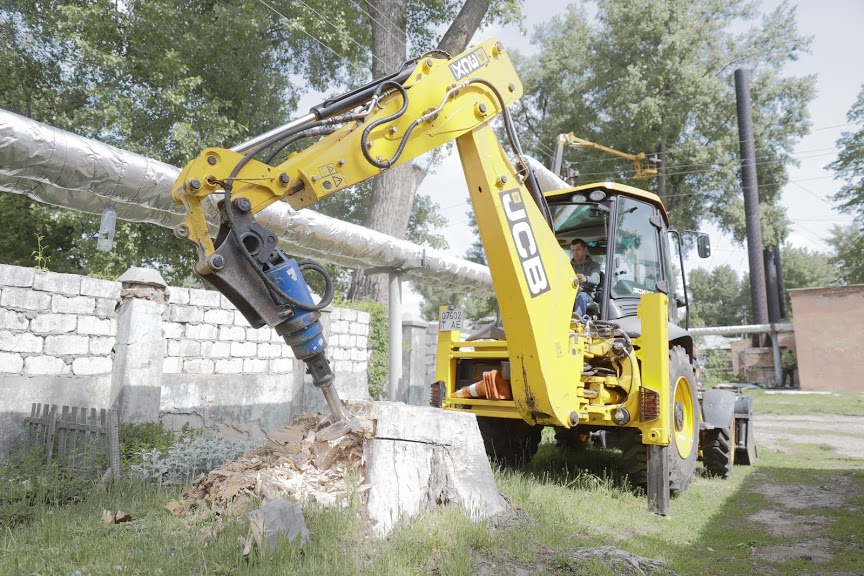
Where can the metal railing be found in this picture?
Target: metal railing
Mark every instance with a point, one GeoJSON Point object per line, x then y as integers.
{"type": "Point", "coordinates": [773, 329]}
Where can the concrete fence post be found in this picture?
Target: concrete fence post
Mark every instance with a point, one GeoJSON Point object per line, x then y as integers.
{"type": "Point", "coordinates": [136, 382]}
{"type": "Point", "coordinates": [415, 389]}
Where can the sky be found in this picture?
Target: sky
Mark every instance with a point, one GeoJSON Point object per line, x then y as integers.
{"type": "Point", "coordinates": [837, 44]}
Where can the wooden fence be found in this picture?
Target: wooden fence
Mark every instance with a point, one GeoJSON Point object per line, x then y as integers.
{"type": "Point", "coordinates": [73, 439]}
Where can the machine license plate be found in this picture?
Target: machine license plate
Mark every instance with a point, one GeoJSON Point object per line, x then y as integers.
{"type": "Point", "coordinates": [450, 319]}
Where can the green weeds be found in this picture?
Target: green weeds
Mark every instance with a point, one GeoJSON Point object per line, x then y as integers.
{"type": "Point", "coordinates": [563, 500]}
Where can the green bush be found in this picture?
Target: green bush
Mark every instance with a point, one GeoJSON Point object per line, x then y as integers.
{"type": "Point", "coordinates": [378, 342]}
{"type": "Point", "coordinates": [147, 437]}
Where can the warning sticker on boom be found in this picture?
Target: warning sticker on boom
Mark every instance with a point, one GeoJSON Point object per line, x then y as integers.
{"type": "Point", "coordinates": [333, 182]}
{"type": "Point", "coordinates": [327, 170]}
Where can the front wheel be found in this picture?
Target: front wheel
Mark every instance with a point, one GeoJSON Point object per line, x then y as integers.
{"type": "Point", "coordinates": [509, 442]}
{"type": "Point", "coordinates": [683, 447]}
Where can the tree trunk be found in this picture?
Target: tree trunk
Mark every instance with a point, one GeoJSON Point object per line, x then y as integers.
{"type": "Point", "coordinates": [393, 191]}
{"type": "Point", "coordinates": [456, 38]}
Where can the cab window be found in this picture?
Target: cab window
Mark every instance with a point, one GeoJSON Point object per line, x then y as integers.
{"type": "Point", "coordinates": [636, 264]}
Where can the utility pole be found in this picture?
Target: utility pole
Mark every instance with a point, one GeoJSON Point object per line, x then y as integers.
{"type": "Point", "coordinates": [661, 180]}
{"type": "Point", "coordinates": [751, 197]}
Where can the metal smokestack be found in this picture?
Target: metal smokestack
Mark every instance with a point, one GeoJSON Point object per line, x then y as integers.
{"type": "Point", "coordinates": [751, 197]}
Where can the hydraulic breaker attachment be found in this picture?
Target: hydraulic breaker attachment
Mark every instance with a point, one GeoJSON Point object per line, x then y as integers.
{"type": "Point", "coordinates": [303, 332]}
{"type": "Point", "coordinates": [268, 288]}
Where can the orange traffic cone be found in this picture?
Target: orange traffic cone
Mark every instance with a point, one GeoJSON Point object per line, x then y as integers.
{"type": "Point", "coordinates": [493, 386]}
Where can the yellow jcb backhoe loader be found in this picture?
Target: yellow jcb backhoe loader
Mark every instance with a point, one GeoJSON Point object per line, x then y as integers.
{"type": "Point", "coordinates": [624, 368]}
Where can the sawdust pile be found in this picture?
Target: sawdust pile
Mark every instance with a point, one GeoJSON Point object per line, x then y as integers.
{"type": "Point", "coordinates": [293, 464]}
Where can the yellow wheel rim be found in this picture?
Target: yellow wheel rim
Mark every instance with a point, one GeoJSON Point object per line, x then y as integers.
{"type": "Point", "coordinates": [682, 415]}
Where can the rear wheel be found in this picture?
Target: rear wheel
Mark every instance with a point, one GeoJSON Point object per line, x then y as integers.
{"type": "Point", "coordinates": [509, 442]}
{"type": "Point", "coordinates": [718, 452]}
{"type": "Point", "coordinates": [683, 448]}
{"type": "Point", "coordinates": [577, 437]}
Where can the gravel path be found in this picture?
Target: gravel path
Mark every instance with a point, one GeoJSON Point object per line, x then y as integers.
{"type": "Point", "coordinates": [843, 433]}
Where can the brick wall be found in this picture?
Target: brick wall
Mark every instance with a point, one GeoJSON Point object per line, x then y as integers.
{"type": "Point", "coordinates": [829, 327]}
{"type": "Point", "coordinates": [56, 324]}
{"type": "Point", "coordinates": [58, 344]}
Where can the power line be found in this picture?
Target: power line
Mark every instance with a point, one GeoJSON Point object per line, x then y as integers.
{"type": "Point", "coordinates": [381, 14]}
{"type": "Point", "coordinates": [319, 42]}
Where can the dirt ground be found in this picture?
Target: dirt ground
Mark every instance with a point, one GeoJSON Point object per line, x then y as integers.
{"type": "Point", "coordinates": [845, 434]}
{"type": "Point", "coordinates": [794, 510]}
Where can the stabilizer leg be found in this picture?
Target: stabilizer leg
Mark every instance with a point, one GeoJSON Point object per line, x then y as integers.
{"type": "Point", "coordinates": [658, 479]}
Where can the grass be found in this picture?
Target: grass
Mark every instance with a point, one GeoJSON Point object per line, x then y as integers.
{"type": "Point", "coordinates": [569, 500]}
{"type": "Point", "coordinates": [801, 403]}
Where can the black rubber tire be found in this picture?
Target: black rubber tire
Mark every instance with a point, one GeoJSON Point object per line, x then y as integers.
{"type": "Point", "coordinates": [635, 453]}
{"type": "Point", "coordinates": [634, 457]}
{"type": "Point", "coordinates": [681, 468]}
{"type": "Point", "coordinates": [718, 450]}
{"type": "Point", "coordinates": [509, 442]}
{"type": "Point", "coordinates": [577, 438]}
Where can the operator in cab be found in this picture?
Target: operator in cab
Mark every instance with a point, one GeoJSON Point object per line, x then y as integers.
{"type": "Point", "coordinates": [587, 273]}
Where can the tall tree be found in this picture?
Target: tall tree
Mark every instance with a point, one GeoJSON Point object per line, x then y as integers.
{"type": "Point", "coordinates": [849, 164]}
{"type": "Point", "coordinates": [848, 258]}
{"type": "Point", "coordinates": [393, 191]}
{"type": "Point", "coordinates": [116, 72]}
{"type": "Point", "coordinates": [660, 71]}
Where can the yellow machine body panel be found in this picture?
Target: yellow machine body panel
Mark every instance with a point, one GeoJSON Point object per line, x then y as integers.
{"type": "Point", "coordinates": [445, 99]}
{"type": "Point", "coordinates": [442, 101]}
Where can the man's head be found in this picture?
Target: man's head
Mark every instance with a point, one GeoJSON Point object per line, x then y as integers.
{"type": "Point", "coordinates": [579, 249]}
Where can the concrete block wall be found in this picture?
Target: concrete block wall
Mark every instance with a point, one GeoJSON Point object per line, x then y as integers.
{"type": "Point", "coordinates": [59, 344]}
{"type": "Point", "coordinates": [57, 336]}
{"type": "Point", "coordinates": [55, 324]}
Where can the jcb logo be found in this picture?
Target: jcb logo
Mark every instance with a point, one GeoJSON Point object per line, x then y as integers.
{"type": "Point", "coordinates": [468, 63]}
{"type": "Point", "coordinates": [526, 245]}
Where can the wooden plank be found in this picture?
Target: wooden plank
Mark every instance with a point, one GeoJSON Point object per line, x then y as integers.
{"type": "Point", "coordinates": [43, 428]}
{"type": "Point", "coordinates": [103, 435]}
{"type": "Point", "coordinates": [96, 429]}
{"type": "Point", "coordinates": [61, 440]}
{"type": "Point", "coordinates": [103, 431]}
{"type": "Point", "coordinates": [72, 449]}
{"type": "Point", "coordinates": [114, 443]}
{"type": "Point", "coordinates": [31, 425]}
{"type": "Point", "coordinates": [36, 426]}
{"type": "Point", "coordinates": [84, 437]}
{"type": "Point", "coordinates": [49, 437]}
{"type": "Point", "coordinates": [94, 436]}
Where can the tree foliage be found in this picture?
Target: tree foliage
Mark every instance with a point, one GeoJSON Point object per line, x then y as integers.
{"type": "Point", "coordinates": [803, 268]}
{"type": "Point", "coordinates": [849, 164]}
{"type": "Point", "coordinates": [166, 79]}
{"type": "Point", "coordinates": [848, 257]}
{"type": "Point", "coordinates": [718, 297]}
{"type": "Point", "coordinates": [118, 73]}
{"type": "Point", "coordinates": [660, 71]}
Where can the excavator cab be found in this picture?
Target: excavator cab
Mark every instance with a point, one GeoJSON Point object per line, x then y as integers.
{"type": "Point", "coordinates": [625, 230]}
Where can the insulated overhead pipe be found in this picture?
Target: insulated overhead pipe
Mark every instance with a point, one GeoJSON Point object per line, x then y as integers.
{"type": "Point", "coordinates": [60, 168]}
